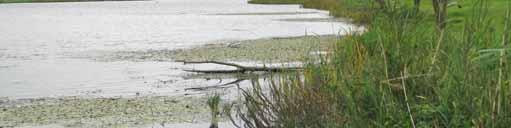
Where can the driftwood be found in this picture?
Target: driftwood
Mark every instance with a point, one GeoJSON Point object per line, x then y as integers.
{"type": "Point", "coordinates": [240, 68]}
{"type": "Point", "coordinates": [216, 86]}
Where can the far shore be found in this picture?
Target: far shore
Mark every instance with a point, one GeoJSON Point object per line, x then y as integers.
{"type": "Point", "coordinates": [54, 1]}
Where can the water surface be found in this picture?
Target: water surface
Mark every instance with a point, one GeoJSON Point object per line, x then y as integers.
{"type": "Point", "coordinates": [42, 45]}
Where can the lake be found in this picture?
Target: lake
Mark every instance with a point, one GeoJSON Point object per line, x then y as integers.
{"type": "Point", "coordinates": [52, 49]}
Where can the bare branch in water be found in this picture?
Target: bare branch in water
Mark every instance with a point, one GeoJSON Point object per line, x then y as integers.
{"type": "Point", "coordinates": [240, 68]}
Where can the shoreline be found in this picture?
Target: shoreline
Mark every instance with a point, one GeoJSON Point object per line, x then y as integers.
{"type": "Point", "coordinates": [288, 46]}
{"type": "Point", "coordinates": [275, 49]}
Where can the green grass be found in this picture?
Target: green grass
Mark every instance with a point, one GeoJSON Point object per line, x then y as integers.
{"type": "Point", "coordinates": [361, 10]}
{"type": "Point", "coordinates": [402, 72]}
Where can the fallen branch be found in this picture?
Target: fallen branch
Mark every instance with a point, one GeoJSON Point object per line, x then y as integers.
{"type": "Point", "coordinates": [240, 68]}
{"type": "Point", "coordinates": [216, 86]}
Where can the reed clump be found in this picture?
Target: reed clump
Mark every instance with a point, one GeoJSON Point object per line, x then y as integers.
{"type": "Point", "coordinates": [213, 103]}
{"type": "Point", "coordinates": [403, 71]}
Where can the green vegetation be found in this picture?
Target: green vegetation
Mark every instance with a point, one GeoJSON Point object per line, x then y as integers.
{"type": "Point", "coordinates": [404, 71]}
{"type": "Point", "coordinates": [213, 103]}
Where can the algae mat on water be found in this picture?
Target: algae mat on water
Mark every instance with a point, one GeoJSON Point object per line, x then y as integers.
{"type": "Point", "coordinates": [103, 112]}
{"type": "Point", "coordinates": [263, 50]}
{"type": "Point", "coordinates": [270, 50]}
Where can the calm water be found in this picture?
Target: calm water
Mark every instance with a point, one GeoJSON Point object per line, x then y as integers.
{"type": "Point", "coordinates": [38, 42]}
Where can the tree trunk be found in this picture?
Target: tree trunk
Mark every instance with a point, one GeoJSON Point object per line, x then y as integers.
{"type": "Point", "coordinates": [416, 5]}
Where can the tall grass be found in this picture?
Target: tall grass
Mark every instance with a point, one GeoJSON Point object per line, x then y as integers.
{"type": "Point", "coordinates": [289, 105]}
{"type": "Point", "coordinates": [402, 72]}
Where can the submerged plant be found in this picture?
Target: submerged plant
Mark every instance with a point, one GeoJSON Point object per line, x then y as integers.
{"type": "Point", "coordinates": [213, 103]}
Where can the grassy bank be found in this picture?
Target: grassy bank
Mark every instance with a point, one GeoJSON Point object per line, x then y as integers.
{"type": "Point", "coordinates": [402, 72]}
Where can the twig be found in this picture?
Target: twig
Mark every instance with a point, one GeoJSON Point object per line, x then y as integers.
{"type": "Point", "coordinates": [217, 71]}
{"type": "Point", "coordinates": [405, 77]}
{"type": "Point", "coordinates": [502, 63]}
{"type": "Point", "coordinates": [383, 53]}
{"type": "Point", "coordinates": [211, 62]}
{"type": "Point", "coordinates": [216, 86]}
{"type": "Point", "coordinates": [403, 74]}
{"type": "Point", "coordinates": [437, 49]}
